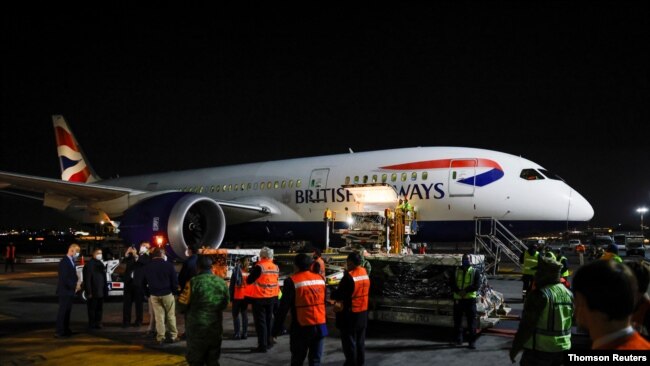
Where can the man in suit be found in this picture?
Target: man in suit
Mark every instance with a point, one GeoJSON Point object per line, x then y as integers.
{"type": "Point", "coordinates": [95, 286]}
{"type": "Point", "coordinates": [66, 288]}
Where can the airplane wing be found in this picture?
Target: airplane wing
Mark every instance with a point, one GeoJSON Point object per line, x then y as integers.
{"type": "Point", "coordinates": [83, 191]}
{"type": "Point", "coordinates": [19, 184]}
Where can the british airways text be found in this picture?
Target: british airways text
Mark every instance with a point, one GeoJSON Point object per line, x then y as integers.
{"type": "Point", "coordinates": [419, 191]}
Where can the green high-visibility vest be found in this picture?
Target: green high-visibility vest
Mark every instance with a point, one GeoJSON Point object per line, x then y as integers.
{"type": "Point", "coordinates": [530, 262]}
{"type": "Point", "coordinates": [553, 330]}
{"type": "Point", "coordinates": [463, 281]}
{"type": "Point", "coordinates": [566, 272]}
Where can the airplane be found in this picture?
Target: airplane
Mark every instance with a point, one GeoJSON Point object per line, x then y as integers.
{"type": "Point", "coordinates": [448, 186]}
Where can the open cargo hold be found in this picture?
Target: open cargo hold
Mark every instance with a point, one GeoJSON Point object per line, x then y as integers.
{"type": "Point", "coordinates": [416, 289]}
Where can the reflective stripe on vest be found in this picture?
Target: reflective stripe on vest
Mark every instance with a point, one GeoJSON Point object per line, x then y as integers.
{"type": "Point", "coordinates": [553, 330]}
{"type": "Point", "coordinates": [361, 289]}
{"type": "Point", "coordinates": [240, 290]}
{"type": "Point", "coordinates": [310, 298]}
{"type": "Point", "coordinates": [464, 280]}
{"type": "Point", "coordinates": [530, 262]}
{"type": "Point", "coordinates": [266, 285]}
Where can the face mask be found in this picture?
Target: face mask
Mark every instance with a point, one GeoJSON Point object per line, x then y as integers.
{"type": "Point", "coordinates": [187, 253]}
{"type": "Point", "coordinates": [143, 250]}
{"type": "Point", "coordinates": [98, 257]}
{"type": "Point", "coordinates": [465, 264]}
{"type": "Point", "coordinates": [76, 255]}
{"type": "Point", "coordinates": [164, 257]}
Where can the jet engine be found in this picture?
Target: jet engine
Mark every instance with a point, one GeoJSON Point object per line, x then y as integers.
{"type": "Point", "coordinates": [181, 219]}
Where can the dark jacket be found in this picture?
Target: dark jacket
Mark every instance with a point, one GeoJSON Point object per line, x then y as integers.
{"type": "Point", "coordinates": [346, 319]}
{"type": "Point", "coordinates": [188, 270]}
{"type": "Point", "coordinates": [67, 282]}
{"type": "Point", "coordinates": [138, 270]}
{"type": "Point", "coordinates": [160, 277]}
{"type": "Point", "coordinates": [128, 275]}
{"type": "Point", "coordinates": [94, 278]}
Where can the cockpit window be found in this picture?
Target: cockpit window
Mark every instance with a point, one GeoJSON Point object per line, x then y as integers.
{"type": "Point", "coordinates": [551, 175]}
{"type": "Point", "coordinates": [530, 174]}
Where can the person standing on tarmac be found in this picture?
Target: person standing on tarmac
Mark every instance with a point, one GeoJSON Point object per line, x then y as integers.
{"type": "Point", "coordinates": [10, 256]}
{"type": "Point", "coordinates": [238, 289]}
{"type": "Point", "coordinates": [564, 272]}
{"type": "Point", "coordinates": [544, 332]}
{"type": "Point", "coordinates": [188, 270]}
{"type": "Point", "coordinates": [464, 286]}
{"type": "Point", "coordinates": [611, 252]}
{"type": "Point", "coordinates": [529, 260]}
{"type": "Point", "coordinates": [162, 283]}
{"type": "Point", "coordinates": [96, 288]}
{"type": "Point", "coordinates": [66, 287]}
{"type": "Point", "coordinates": [304, 293]}
{"type": "Point", "coordinates": [139, 286]}
{"type": "Point", "coordinates": [351, 298]}
{"type": "Point", "coordinates": [263, 294]}
{"type": "Point", "coordinates": [203, 300]}
{"type": "Point", "coordinates": [318, 265]}
{"type": "Point", "coordinates": [604, 301]}
{"type": "Point", "coordinates": [130, 259]}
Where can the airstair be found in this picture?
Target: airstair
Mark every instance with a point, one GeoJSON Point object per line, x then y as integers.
{"type": "Point", "coordinates": [496, 241]}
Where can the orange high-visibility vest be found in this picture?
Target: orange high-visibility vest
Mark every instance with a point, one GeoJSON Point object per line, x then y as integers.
{"type": "Point", "coordinates": [322, 266]}
{"type": "Point", "coordinates": [240, 290]}
{"type": "Point", "coordinates": [266, 285]}
{"type": "Point", "coordinates": [361, 289]}
{"type": "Point", "coordinates": [11, 252]}
{"type": "Point", "coordinates": [310, 298]}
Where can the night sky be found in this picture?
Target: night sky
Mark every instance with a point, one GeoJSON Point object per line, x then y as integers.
{"type": "Point", "coordinates": [562, 84]}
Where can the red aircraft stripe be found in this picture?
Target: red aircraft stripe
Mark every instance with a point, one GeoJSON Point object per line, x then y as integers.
{"type": "Point", "coordinates": [445, 164]}
{"type": "Point", "coordinates": [80, 177]}
{"type": "Point", "coordinates": [64, 138]}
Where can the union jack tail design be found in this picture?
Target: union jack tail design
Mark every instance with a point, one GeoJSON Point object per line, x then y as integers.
{"type": "Point", "coordinates": [74, 164]}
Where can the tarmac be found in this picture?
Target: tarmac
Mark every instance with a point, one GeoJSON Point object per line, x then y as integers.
{"type": "Point", "coordinates": [28, 307]}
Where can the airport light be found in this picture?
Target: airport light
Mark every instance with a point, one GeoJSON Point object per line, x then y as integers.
{"type": "Point", "coordinates": [642, 210]}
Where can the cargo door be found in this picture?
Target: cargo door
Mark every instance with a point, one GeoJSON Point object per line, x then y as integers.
{"type": "Point", "coordinates": [462, 177]}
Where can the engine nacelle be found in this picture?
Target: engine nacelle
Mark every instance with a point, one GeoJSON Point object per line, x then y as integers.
{"type": "Point", "coordinates": [184, 219]}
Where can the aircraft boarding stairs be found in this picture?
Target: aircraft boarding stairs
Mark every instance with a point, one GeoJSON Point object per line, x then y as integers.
{"type": "Point", "coordinates": [493, 238]}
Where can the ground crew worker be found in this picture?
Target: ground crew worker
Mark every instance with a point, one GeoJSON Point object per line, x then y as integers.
{"type": "Point", "coordinates": [464, 285]}
{"type": "Point", "coordinates": [529, 260]}
{"type": "Point", "coordinates": [365, 263]}
{"type": "Point", "coordinates": [263, 294]}
{"type": "Point", "coordinates": [548, 252]}
{"type": "Point", "coordinates": [580, 249]}
{"type": "Point", "coordinates": [544, 332]}
{"type": "Point", "coordinates": [10, 257]}
{"type": "Point", "coordinates": [611, 253]}
{"type": "Point", "coordinates": [203, 300]}
{"type": "Point", "coordinates": [604, 301]}
{"type": "Point", "coordinates": [304, 293]}
{"type": "Point", "coordinates": [564, 272]}
{"type": "Point", "coordinates": [318, 265]}
{"type": "Point", "coordinates": [238, 288]}
{"type": "Point", "coordinates": [352, 320]}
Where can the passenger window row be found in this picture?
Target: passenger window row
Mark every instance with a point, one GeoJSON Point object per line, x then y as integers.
{"type": "Point", "coordinates": [403, 177]}
{"type": "Point", "coordinates": [284, 184]}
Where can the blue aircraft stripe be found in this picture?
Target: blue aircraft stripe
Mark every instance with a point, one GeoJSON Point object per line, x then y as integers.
{"type": "Point", "coordinates": [484, 179]}
{"type": "Point", "coordinates": [67, 162]}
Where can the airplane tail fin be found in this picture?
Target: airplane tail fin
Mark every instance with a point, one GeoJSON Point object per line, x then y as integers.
{"type": "Point", "coordinates": [74, 164]}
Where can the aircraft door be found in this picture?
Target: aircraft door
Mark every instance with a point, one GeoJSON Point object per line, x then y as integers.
{"type": "Point", "coordinates": [318, 178]}
{"type": "Point", "coordinates": [462, 177]}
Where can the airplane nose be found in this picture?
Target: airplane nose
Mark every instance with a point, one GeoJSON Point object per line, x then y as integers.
{"type": "Point", "coordinates": [579, 208]}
